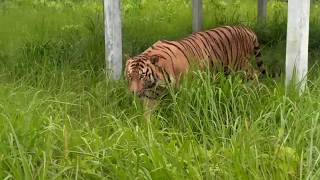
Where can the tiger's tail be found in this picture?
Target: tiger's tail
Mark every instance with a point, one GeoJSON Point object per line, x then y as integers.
{"type": "Point", "coordinates": [257, 53]}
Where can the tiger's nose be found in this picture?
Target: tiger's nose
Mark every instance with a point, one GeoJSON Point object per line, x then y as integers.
{"type": "Point", "coordinates": [133, 86]}
{"type": "Point", "coordinates": [135, 89]}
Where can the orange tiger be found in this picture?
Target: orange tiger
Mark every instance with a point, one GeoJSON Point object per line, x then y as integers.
{"type": "Point", "coordinates": [165, 61]}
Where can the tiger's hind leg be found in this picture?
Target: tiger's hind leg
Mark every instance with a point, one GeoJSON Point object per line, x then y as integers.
{"type": "Point", "coordinates": [259, 62]}
{"type": "Point", "coordinates": [251, 72]}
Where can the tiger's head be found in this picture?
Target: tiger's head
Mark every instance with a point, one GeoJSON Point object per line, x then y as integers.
{"type": "Point", "coordinates": [144, 76]}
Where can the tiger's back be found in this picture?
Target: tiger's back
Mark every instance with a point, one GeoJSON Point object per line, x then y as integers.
{"type": "Point", "coordinates": [229, 45]}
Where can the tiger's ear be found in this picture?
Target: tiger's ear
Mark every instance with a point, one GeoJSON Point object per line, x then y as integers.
{"type": "Point", "coordinates": [154, 59]}
{"type": "Point", "coordinates": [128, 61]}
{"type": "Point", "coordinates": [126, 67]}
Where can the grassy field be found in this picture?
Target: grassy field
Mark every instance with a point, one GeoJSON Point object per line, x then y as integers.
{"type": "Point", "coordinates": [60, 117]}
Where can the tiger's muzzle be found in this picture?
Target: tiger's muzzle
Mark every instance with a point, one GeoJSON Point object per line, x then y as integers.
{"type": "Point", "coordinates": [136, 88]}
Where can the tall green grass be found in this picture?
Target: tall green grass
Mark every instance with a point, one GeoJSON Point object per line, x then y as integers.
{"type": "Point", "coordinates": [60, 117]}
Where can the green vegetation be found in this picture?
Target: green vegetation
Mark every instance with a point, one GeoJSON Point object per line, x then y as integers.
{"type": "Point", "coordinates": [60, 117]}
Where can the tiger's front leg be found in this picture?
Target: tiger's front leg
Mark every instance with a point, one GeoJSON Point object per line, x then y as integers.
{"type": "Point", "coordinates": [149, 106]}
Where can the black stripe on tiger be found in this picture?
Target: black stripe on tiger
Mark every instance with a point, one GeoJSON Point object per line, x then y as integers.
{"type": "Point", "coordinates": [213, 50]}
{"type": "Point", "coordinates": [180, 49]}
{"type": "Point", "coordinates": [220, 41]}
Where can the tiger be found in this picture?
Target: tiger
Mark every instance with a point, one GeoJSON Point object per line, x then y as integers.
{"type": "Point", "coordinates": [229, 47]}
